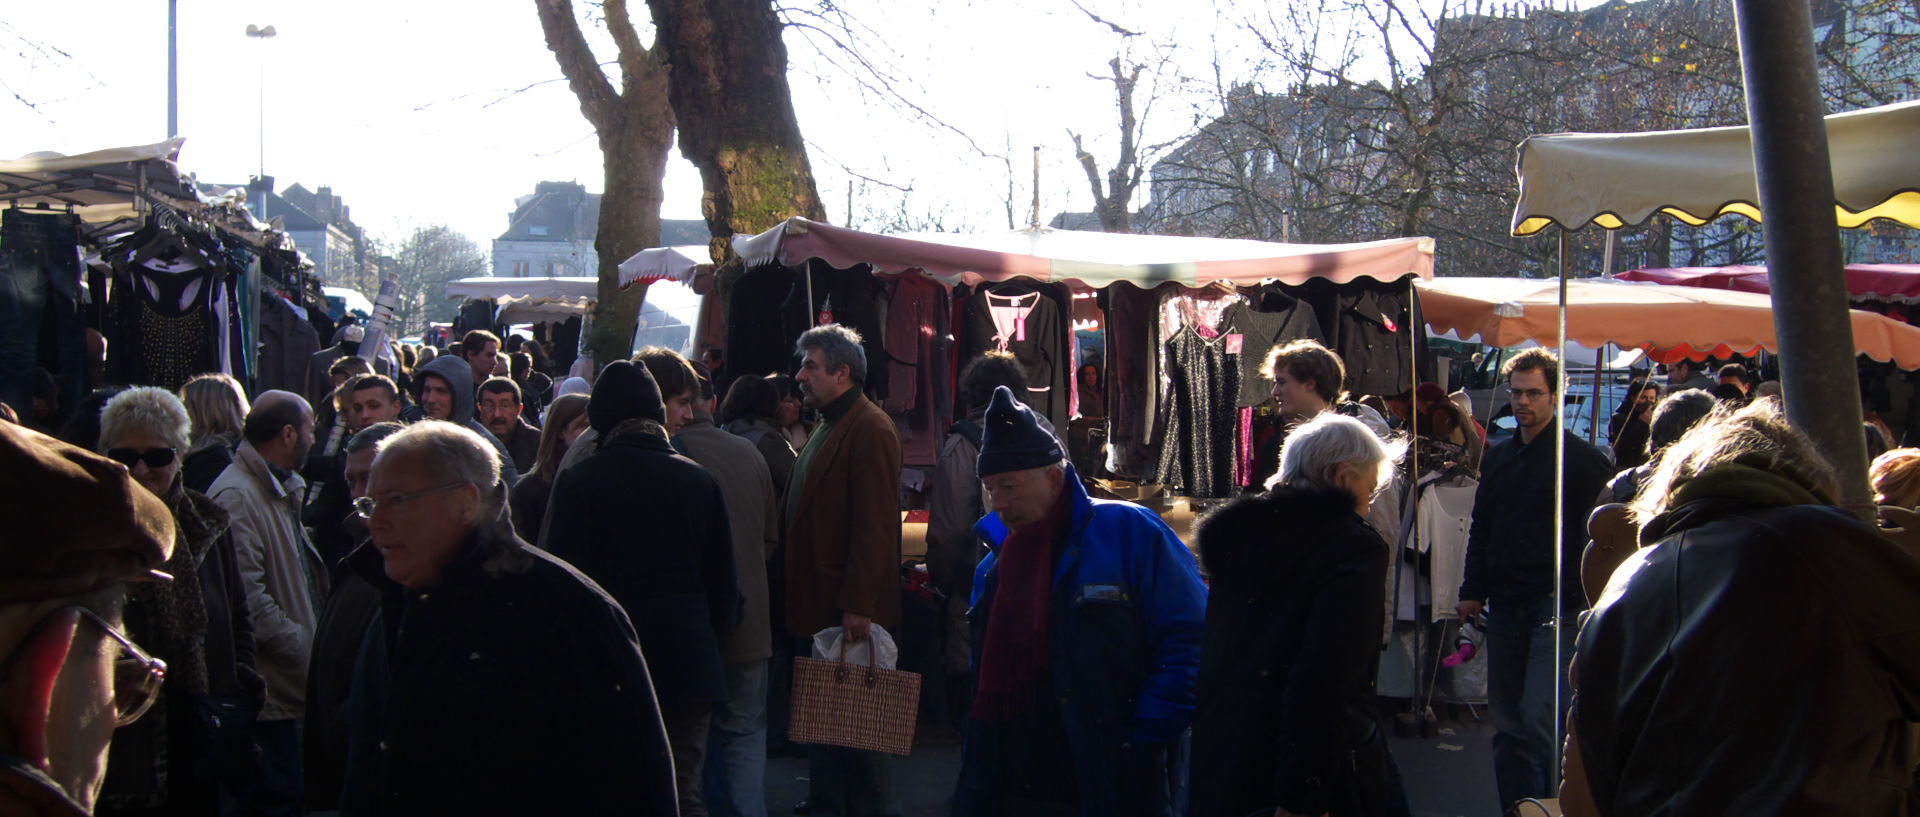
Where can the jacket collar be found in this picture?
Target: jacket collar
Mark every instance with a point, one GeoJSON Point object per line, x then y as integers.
{"type": "Point", "coordinates": [837, 432]}
{"type": "Point", "coordinates": [249, 458]}
{"type": "Point", "coordinates": [486, 552]}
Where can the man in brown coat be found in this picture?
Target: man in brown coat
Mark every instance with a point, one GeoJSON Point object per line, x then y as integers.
{"type": "Point", "coordinates": [843, 543]}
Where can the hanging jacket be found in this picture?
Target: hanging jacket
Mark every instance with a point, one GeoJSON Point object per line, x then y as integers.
{"type": "Point", "coordinates": [1123, 633]}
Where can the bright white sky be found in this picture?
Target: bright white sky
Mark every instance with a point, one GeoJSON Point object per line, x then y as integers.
{"type": "Point", "coordinates": [405, 108]}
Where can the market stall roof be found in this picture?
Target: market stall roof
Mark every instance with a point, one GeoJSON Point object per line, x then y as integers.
{"type": "Point", "coordinates": [530, 300]}
{"type": "Point", "coordinates": [1616, 179]}
{"type": "Point", "coordinates": [1899, 283]}
{"type": "Point", "coordinates": [1087, 258]}
{"type": "Point", "coordinates": [100, 186]}
{"type": "Point", "coordinates": [1508, 311]}
{"type": "Point", "coordinates": [677, 264]}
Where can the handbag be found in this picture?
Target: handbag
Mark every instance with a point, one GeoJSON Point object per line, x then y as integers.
{"type": "Point", "coordinates": [859, 708]}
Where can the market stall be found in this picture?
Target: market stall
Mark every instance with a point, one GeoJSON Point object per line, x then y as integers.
{"type": "Point", "coordinates": [1187, 321]}
{"type": "Point", "coordinates": [169, 283]}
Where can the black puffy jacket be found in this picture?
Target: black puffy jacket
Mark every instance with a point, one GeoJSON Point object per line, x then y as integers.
{"type": "Point", "coordinates": [1287, 667]}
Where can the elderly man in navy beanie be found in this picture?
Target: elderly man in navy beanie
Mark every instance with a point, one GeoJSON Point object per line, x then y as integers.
{"type": "Point", "coordinates": [651, 527]}
{"type": "Point", "coordinates": [1086, 622]}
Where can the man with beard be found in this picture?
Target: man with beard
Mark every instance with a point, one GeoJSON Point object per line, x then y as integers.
{"type": "Point", "coordinates": [502, 413]}
{"type": "Point", "coordinates": [284, 579]}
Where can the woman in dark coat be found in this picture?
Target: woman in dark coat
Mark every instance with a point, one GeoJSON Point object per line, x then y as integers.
{"type": "Point", "coordinates": [1632, 421]}
{"type": "Point", "coordinates": [197, 739]}
{"type": "Point", "coordinates": [1286, 721]}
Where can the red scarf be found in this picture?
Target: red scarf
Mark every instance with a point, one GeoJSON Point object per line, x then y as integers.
{"type": "Point", "coordinates": [1014, 658]}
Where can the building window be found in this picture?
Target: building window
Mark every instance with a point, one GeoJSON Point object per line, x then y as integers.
{"type": "Point", "coordinates": [520, 269]}
{"type": "Point", "coordinates": [537, 229]}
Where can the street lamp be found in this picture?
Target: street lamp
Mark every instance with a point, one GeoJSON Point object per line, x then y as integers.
{"type": "Point", "coordinates": [262, 34]}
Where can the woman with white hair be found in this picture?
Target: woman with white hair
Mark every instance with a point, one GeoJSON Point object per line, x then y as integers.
{"type": "Point", "coordinates": [197, 623]}
{"type": "Point", "coordinates": [1286, 722]}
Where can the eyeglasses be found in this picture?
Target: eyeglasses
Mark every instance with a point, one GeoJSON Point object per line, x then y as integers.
{"type": "Point", "coordinates": [1528, 395]}
{"type": "Point", "coordinates": [154, 457]}
{"type": "Point", "coordinates": [365, 506]}
{"type": "Point", "coordinates": [137, 676]}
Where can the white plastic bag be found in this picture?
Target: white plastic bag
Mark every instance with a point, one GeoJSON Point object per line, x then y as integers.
{"type": "Point", "coordinates": [827, 643]}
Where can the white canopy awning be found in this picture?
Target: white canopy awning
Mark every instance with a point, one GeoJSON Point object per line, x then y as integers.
{"type": "Point", "coordinates": [1616, 179]}
{"type": "Point", "coordinates": [677, 264]}
{"type": "Point", "coordinates": [101, 186]}
{"type": "Point", "coordinates": [531, 300]}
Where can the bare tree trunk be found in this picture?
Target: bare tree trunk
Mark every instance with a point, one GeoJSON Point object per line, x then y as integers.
{"type": "Point", "coordinates": [735, 112]}
{"type": "Point", "coordinates": [635, 125]}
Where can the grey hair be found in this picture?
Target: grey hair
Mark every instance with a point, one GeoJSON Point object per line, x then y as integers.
{"type": "Point", "coordinates": [451, 449]}
{"type": "Point", "coordinates": [1316, 449]}
{"type": "Point", "coordinates": [839, 346]}
{"type": "Point", "coordinates": [145, 408]}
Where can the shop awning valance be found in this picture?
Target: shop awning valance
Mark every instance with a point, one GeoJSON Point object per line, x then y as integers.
{"type": "Point", "coordinates": [677, 264]}
{"type": "Point", "coordinates": [100, 186]}
{"type": "Point", "coordinates": [1508, 311]}
{"type": "Point", "coordinates": [1616, 179]}
{"type": "Point", "coordinates": [1898, 283]}
{"type": "Point", "coordinates": [1087, 258]}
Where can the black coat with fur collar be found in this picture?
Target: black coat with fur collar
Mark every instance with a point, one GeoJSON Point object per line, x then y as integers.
{"type": "Point", "coordinates": [1287, 667]}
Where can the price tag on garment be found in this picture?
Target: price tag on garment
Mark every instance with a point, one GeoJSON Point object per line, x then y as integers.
{"type": "Point", "coordinates": [1020, 329]}
{"type": "Point", "coordinates": [1236, 343]}
{"type": "Point", "coordinates": [826, 317]}
{"type": "Point", "coordinates": [1391, 326]}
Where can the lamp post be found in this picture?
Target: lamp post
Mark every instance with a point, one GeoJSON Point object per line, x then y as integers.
{"type": "Point", "coordinates": [262, 33]}
{"type": "Point", "coordinates": [173, 68]}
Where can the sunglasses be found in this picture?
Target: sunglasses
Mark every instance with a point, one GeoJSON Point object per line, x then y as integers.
{"type": "Point", "coordinates": [137, 676]}
{"type": "Point", "coordinates": [153, 457]}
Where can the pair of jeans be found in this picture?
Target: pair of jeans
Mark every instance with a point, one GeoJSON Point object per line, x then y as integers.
{"type": "Point", "coordinates": [737, 746]}
{"type": "Point", "coordinates": [1521, 672]}
{"type": "Point", "coordinates": [846, 782]}
{"type": "Point", "coordinates": [40, 318]}
{"type": "Point", "coordinates": [277, 780]}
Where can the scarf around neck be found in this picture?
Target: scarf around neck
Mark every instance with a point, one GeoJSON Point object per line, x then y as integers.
{"type": "Point", "coordinates": [1014, 658]}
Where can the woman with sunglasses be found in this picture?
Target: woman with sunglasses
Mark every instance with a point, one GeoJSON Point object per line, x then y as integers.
{"type": "Point", "coordinates": [195, 741]}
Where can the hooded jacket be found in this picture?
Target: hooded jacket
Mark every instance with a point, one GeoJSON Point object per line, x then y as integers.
{"type": "Point", "coordinates": [1123, 631]}
{"type": "Point", "coordinates": [1752, 660]}
{"type": "Point", "coordinates": [459, 377]}
{"type": "Point", "coordinates": [1288, 664]}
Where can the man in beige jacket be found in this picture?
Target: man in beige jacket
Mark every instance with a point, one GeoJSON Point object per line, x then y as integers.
{"type": "Point", "coordinates": [284, 578]}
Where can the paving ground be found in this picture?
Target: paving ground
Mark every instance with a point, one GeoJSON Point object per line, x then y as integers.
{"type": "Point", "coordinates": [1447, 775]}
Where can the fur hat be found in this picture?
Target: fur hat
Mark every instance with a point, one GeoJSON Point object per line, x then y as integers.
{"type": "Point", "coordinates": [75, 521]}
{"type": "Point", "coordinates": [623, 392]}
{"type": "Point", "coordinates": [1013, 438]}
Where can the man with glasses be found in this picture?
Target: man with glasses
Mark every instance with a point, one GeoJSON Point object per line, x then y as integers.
{"type": "Point", "coordinates": [1510, 575]}
{"type": "Point", "coordinates": [284, 577]}
{"type": "Point", "coordinates": [497, 678]}
{"type": "Point", "coordinates": [78, 528]}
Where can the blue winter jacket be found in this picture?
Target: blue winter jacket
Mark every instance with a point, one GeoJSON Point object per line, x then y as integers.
{"type": "Point", "coordinates": [1124, 629]}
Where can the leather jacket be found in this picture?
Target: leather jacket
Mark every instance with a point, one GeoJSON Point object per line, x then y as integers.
{"type": "Point", "coordinates": [1753, 660]}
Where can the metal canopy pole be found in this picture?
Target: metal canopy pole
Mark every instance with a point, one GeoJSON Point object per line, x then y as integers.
{"type": "Point", "coordinates": [1785, 111]}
